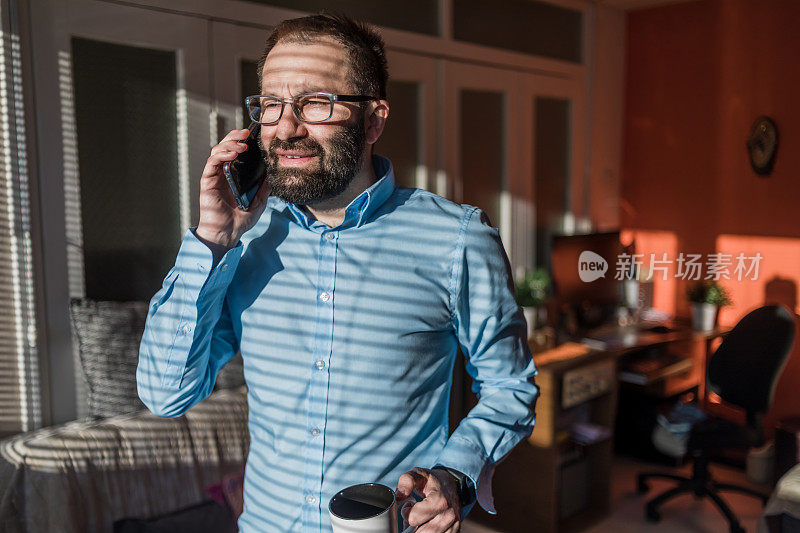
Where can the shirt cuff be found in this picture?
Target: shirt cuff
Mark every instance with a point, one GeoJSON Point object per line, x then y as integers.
{"type": "Point", "coordinates": [196, 262]}
{"type": "Point", "coordinates": [464, 456]}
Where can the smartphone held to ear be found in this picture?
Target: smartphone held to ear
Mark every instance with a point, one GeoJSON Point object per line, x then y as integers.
{"type": "Point", "coordinates": [246, 173]}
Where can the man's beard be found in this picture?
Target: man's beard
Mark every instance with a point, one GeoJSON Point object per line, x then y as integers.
{"type": "Point", "coordinates": [336, 169]}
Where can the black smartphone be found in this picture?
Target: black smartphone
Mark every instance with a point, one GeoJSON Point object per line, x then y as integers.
{"type": "Point", "coordinates": [246, 173]}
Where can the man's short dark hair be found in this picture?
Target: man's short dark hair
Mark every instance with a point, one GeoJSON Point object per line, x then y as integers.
{"type": "Point", "coordinates": [368, 68]}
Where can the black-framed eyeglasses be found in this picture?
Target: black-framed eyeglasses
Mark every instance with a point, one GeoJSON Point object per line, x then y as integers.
{"type": "Point", "coordinates": [311, 108]}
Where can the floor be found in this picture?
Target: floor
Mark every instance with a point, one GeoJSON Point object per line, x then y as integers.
{"type": "Point", "coordinates": [681, 515]}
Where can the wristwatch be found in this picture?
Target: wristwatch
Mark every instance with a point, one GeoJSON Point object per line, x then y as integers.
{"type": "Point", "coordinates": [466, 490]}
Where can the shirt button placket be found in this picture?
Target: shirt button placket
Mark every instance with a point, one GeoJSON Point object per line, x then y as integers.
{"type": "Point", "coordinates": [318, 400]}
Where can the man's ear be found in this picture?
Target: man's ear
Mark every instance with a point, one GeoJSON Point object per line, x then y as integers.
{"type": "Point", "coordinates": [377, 113]}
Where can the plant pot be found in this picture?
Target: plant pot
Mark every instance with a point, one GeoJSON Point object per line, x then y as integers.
{"type": "Point", "coordinates": [536, 317]}
{"type": "Point", "coordinates": [704, 316]}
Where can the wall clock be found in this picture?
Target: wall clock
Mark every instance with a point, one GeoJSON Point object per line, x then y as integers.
{"type": "Point", "coordinates": [763, 145]}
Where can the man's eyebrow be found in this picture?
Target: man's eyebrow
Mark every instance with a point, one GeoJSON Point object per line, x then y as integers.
{"type": "Point", "coordinates": [313, 89]}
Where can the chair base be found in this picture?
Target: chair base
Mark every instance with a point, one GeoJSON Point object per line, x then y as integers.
{"type": "Point", "coordinates": [701, 487]}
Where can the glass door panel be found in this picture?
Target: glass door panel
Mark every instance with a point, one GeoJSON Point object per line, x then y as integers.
{"type": "Point", "coordinates": [409, 138]}
{"type": "Point", "coordinates": [482, 150]}
{"type": "Point", "coordinates": [126, 117]}
{"type": "Point", "coordinates": [133, 115]}
{"type": "Point", "coordinates": [400, 138]}
{"type": "Point", "coordinates": [122, 96]}
{"type": "Point", "coordinates": [480, 141]}
{"type": "Point", "coordinates": [553, 135]}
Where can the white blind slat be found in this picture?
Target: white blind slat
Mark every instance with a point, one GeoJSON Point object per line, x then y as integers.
{"type": "Point", "coordinates": [19, 375]}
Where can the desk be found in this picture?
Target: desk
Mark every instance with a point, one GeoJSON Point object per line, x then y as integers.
{"type": "Point", "coordinates": [550, 482]}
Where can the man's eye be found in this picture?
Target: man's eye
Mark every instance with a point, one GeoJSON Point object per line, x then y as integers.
{"type": "Point", "coordinates": [317, 102]}
{"type": "Point", "coordinates": [271, 104]}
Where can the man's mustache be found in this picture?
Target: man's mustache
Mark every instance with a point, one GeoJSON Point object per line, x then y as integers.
{"type": "Point", "coordinates": [306, 145]}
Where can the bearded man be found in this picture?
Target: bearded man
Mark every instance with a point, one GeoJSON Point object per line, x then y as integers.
{"type": "Point", "coordinates": [348, 298]}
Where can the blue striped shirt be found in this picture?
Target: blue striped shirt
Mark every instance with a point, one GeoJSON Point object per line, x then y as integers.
{"type": "Point", "coordinates": [348, 336]}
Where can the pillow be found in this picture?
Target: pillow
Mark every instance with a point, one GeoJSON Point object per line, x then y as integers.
{"type": "Point", "coordinates": [108, 336]}
{"type": "Point", "coordinates": [229, 493]}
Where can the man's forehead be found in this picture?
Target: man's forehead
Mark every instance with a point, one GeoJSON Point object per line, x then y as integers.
{"type": "Point", "coordinates": [305, 67]}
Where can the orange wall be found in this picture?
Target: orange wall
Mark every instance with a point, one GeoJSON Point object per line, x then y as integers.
{"type": "Point", "coordinates": [698, 75]}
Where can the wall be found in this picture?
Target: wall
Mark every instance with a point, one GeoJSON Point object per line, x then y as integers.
{"type": "Point", "coordinates": [607, 95]}
{"type": "Point", "coordinates": [698, 75]}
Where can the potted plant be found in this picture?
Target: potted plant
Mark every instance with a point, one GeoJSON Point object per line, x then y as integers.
{"type": "Point", "coordinates": [531, 293]}
{"type": "Point", "coordinates": [706, 298]}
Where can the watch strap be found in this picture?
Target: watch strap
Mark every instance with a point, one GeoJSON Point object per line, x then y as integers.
{"type": "Point", "coordinates": [466, 489]}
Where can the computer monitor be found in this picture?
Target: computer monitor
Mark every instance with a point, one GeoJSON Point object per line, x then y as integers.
{"type": "Point", "coordinates": [584, 269]}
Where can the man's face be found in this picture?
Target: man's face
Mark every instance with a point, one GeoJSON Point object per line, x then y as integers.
{"type": "Point", "coordinates": [309, 163]}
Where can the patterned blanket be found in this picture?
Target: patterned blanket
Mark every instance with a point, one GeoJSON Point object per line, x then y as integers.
{"type": "Point", "coordinates": [84, 475]}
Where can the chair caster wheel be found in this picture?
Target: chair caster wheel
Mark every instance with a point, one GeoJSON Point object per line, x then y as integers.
{"type": "Point", "coordinates": [642, 487]}
{"type": "Point", "coordinates": [652, 515]}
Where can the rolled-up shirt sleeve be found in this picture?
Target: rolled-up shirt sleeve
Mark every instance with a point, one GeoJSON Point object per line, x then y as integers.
{"type": "Point", "coordinates": [188, 334]}
{"type": "Point", "coordinates": [491, 331]}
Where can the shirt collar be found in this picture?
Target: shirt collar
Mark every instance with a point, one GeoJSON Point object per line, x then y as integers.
{"type": "Point", "coordinates": [361, 209]}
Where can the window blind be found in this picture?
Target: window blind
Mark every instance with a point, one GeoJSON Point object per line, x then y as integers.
{"type": "Point", "coordinates": [20, 408]}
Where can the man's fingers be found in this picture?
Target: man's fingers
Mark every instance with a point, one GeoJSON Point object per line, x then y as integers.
{"type": "Point", "coordinates": [412, 480]}
{"type": "Point", "coordinates": [455, 528]}
{"type": "Point", "coordinates": [228, 146]}
{"type": "Point", "coordinates": [441, 523]}
{"type": "Point", "coordinates": [236, 135]}
{"type": "Point", "coordinates": [215, 161]}
{"type": "Point", "coordinates": [404, 511]}
{"type": "Point", "coordinates": [434, 514]}
{"type": "Point", "coordinates": [433, 505]}
{"type": "Point", "coordinates": [222, 156]}
{"type": "Point", "coordinates": [406, 508]}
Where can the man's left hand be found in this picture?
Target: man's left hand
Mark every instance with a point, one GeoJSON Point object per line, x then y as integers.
{"type": "Point", "coordinates": [440, 511]}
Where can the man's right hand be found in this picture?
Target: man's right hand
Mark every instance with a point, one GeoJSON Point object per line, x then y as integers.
{"type": "Point", "coordinates": [222, 223]}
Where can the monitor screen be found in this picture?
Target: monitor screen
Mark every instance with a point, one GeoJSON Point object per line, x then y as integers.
{"type": "Point", "coordinates": [584, 269]}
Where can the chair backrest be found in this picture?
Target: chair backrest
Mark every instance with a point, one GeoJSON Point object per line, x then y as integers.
{"type": "Point", "coordinates": [745, 368]}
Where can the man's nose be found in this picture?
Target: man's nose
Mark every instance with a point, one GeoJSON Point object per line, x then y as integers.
{"type": "Point", "coordinates": [289, 127]}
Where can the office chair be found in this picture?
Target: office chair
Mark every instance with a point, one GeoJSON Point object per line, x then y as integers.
{"type": "Point", "coordinates": [743, 371]}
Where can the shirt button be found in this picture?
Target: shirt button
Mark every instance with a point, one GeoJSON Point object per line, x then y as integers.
{"type": "Point", "coordinates": [310, 499]}
{"type": "Point", "coordinates": [320, 365]}
{"type": "Point", "coordinates": [315, 432]}
{"type": "Point", "coordinates": [186, 329]}
{"type": "Point", "coordinates": [324, 296]}
{"type": "Point", "coordinates": [329, 236]}
{"type": "Point", "coordinates": [200, 267]}
{"type": "Point", "coordinates": [224, 268]}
